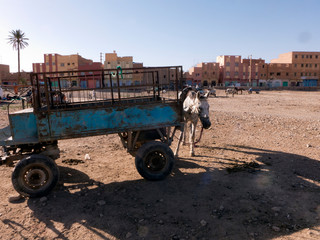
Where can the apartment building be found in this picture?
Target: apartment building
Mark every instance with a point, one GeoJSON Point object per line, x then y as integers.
{"type": "Point", "coordinates": [210, 72]}
{"type": "Point", "coordinates": [4, 71]}
{"type": "Point", "coordinates": [194, 76]}
{"type": "Point", "coordinates": [112, 61]}
{"type": "Point", "coordinates": [237, 71]}
{"type": "Point", "coordinates": [305, 67]}
{"type": "Point", "coordinates": [65, 63]}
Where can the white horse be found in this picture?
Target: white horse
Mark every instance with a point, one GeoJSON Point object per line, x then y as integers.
{"type": "Point", "coordinates": [194, 107]}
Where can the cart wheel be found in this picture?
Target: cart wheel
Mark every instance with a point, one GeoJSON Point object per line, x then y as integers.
{"type": "Point", "coordinates": [35, 176]}
{"type": "Point", "coordinates": [154, 160]}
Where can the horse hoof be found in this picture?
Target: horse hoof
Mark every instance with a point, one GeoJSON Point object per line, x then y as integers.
{"type": "Point", "coordinates": [192, 155]}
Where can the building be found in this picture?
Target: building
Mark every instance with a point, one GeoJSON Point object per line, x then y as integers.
{"type": "Point", "coordinates": [237, 71]}
{"type": "Point", "coordinates": [11, 79]}
{"type": "Point", "coordinates": [4, 72]}
{"type": "Point", "coordinates": [66, 63]}
{"type": "Point", "coordinates": [210, 72]}
{"type": "Point", "coordinates": [112, 61]}
{"type": "Point", "coordinates": [194, 76]}
{"type": "Point", "coordinates": [305, 67]}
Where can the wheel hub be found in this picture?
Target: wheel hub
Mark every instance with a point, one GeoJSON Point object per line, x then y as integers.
{"type": "Point", "coordinates": [156, 161]}
{"type": "Point", "coordinates": [35, 178]}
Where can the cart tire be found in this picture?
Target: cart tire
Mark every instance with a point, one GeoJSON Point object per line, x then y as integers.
{"type": "Point", "coordinates": [154, 160]}
{"type": "Point", "coordinates": [35, 176]}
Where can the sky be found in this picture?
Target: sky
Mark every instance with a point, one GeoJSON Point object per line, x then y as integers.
{"type": "Point", "coordinates": [159, 33]}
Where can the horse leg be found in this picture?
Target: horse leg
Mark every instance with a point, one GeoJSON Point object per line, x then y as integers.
{"type": "Point", "coordinates": [179, 141]}
{"type": "Point", "coordinates": [191, 138]}
{"type": "Point", "coordinates": [185, 134]}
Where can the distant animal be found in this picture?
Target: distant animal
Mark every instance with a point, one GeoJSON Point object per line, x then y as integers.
{"type": "Point", "coordinates": [239, 89]}
{"type": "Point", "coordinates": [194, 107]}
{"type": "Point", "coordinates": [231, 91]}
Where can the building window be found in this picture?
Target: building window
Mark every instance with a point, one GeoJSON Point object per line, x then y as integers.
{"type": "Point", "coordinates": [227, 63]}
{"type": "Point", "coordinates": [310, 65]}
{"type": "Point", "coordinates": [68, 64]}
{"type": "Point", "coordinates": [236, 73]}
{"type": "Point", "coordinates": [53, 63]}
{"type": "Point", "coordinates": [296, 56]}
{"type": "Point", "coordinates": [310, 56]}
{"type": "Point", "coordinates": [237, 64]}
{"type": "Point", "coordinates": [307, 65]}
{"type": "Point", "coordinates": [307, 56]}
{"type": "Point", "coordinates": [287, 74]}
{"type": "Point", "coordinates": [295, 65]}
{"type": "Point", "coordinates": [301, 64]}
{"type": "Point", "coordinates": [315, 74]}
{"type": "Point", "coordinates": [47, 63]}
{"type": "Point", "coordinates": [295, 74]}
{"type": "Point", "coordinates": [62, 64]}
{"type": "Point", "coordinates": [271, 74]}
{"type": "Point", "coordinates": [302, 56]}
{"type": "Point", "coordinates": [263, 66]}
{"type": "Point", "coordinates": [278, 73]}
{"type": "Point", "coordinates": [316, 56]}
{"type": "Point", "coordinates": [228, 74]}
{"type": "Point", "coordinates": [301, 74]}
{"type": "Point", "coordinates": [316, 65]}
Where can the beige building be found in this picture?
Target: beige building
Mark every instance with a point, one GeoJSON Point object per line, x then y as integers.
{"type": "Point", "coordinates": [4, 71]}
{"type": "Point", "coordinates": [305, 67]}
{"type": "Point", "coordinates": [112, 61]}
{"type": "Point", "coordinates": [210, 73]}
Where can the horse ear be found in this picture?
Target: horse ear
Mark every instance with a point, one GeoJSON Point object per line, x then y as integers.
{"type": "Point", "coordinates": [207, 94]}
{"type": "Point", "coordinates": [198, 94]}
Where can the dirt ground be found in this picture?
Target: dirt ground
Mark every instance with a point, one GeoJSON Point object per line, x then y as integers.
{"type": "Point", "coordinates": [256, 175]}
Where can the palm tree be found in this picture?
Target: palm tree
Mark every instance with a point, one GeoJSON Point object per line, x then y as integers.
{"type": "Point", "coordinates": [18, 41]}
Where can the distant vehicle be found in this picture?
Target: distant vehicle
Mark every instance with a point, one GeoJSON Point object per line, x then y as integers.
{"type": "Point", "coordinates": [212, 92]}
{"type": "Point", "coordinates": [253, 90]}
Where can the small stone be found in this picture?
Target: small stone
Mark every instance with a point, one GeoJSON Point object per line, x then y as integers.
{"type": "Point", "coordinates": [221, 208]}
{"type": "Point", "coordinates": [128, 235]}
{"type": "Point", "coordinates": [101, 215]}
{"type": "Point", "coordinates": [101, 202]}
{"type": "Point", "coordinates": [16, 199]}
{"type": "Point", "coordinates": [160, 222]}
{"type": "Point", "coordinates": [203, 223]}
{"type": "Point", "coordinates": [275, 228]}
{"type": "Point", "coordinates": [87, 157]}
{"type": "Point", "coordinates": [276, 209]}
{"type": "Point", "coordinates": [43, 199]}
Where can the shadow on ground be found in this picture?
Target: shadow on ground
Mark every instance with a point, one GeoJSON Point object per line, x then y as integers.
{"type": "Point", "coordinates": [277, 199]}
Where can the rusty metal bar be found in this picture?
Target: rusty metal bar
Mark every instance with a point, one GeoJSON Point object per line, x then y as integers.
{"type": "Point", "coordinates": [157, 73]}
{"type": "Point", "coordinates": [118, 83]}
{"type": "Point", "coordinates": [111, 88]}
{"type": "Point", "coordinates": [177, 86]}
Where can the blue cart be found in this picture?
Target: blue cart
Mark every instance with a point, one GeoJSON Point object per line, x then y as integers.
{"type": "Point", "coordinates": [65, 105]}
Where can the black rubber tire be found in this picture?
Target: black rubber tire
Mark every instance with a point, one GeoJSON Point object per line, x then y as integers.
{"type": "Point", "coordinates": [35, 176]}
{"type": "Point", "coordinates": [154, 160]}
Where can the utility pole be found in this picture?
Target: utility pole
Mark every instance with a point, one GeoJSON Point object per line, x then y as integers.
{"type": "Point", "coordinates": [250, 80]}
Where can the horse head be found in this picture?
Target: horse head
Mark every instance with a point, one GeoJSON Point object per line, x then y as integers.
{"type": "Point", "coordinates": [196, 104]}
{"type": "Point", "coordinates": [204, 111]}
